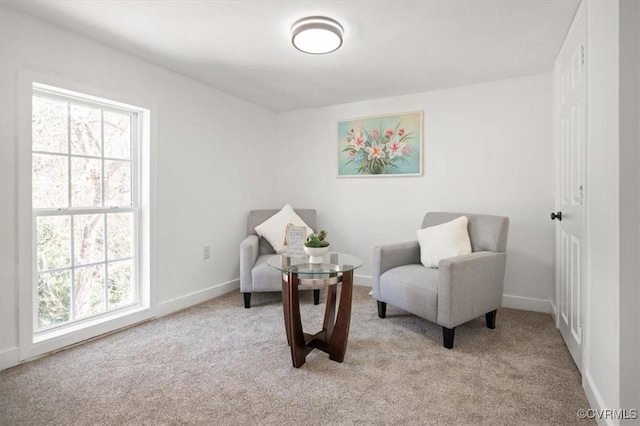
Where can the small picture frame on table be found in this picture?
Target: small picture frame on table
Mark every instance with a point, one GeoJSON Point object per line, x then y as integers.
{"type": "Point", "coordinates": [295, 238]}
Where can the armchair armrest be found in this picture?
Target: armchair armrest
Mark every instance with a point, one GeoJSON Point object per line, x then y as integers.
{"type": "Point", "coordinates": [390, 256]}
{"type": "Point", "coordinates": [248, 257]}
{"type": "Point", "coordinates": [470, 286]}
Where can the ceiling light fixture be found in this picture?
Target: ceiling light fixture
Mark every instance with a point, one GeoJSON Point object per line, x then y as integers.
{"type": "Point", "coordinates": [316, 35]}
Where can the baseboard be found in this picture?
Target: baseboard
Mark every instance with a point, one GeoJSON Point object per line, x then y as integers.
{"type": "Point", "coordinates": [594, 397]}
{"type": "Point", "coordinates": [554, 311]}
{"type": "Point", "coordinates": [9, 358]}
{"type": "Point", "coordinates": [191, 299]}
{"type": "Point", "coordinates": [362, 280]}
{"type": "Point", "coordinates": [527, 304]}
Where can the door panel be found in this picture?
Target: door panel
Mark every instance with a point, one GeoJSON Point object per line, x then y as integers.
{"type": "Point", "coordinates": [576, 285]}
{"type": "Point", "coordinates": [564, 280]}
{"type": "Point", "coordinates": [570, 78]}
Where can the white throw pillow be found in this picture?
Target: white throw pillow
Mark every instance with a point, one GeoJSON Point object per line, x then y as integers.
{"type": "Point", "coordinates": [274, 229]}
{"type": "Point", "coordinates": [449, 239]}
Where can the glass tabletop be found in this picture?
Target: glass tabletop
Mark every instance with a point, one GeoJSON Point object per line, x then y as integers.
{"type": "Point", "coordinates": [332, 263]}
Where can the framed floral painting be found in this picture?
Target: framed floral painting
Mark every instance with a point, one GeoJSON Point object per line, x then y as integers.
{"type": "Point", "coordinates": [382, 145]}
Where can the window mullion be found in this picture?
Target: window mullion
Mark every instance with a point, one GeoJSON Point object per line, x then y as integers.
{"type": "Point", "coordinates": [106, 259]}
{"type": "Point", "coordinates": [90, 157]}
{"type": "Point", "coordinates": [55, 270]}
{"type": "Point", "coordinates": [136, 202]}
{"type": "Point", "coordinates": [102, 180]}
{"type": "Point", "coordinates": [35, 285]}
{"type": "Point", "coordinates": [72, 274]}
{"type": "Point", "coordinates": [72, 291]}
{"type": "Point", "coordinates": [135, 178]}
{"type": "Point", "coordinates": [105, 275]}
{"type": "Point", "coordinates": [81, 210]}
{"type": "Point", "coordinates": [69, 154]}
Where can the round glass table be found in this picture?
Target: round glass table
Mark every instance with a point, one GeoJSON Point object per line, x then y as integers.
{"type": "Point", "coordinates": [336, 268]}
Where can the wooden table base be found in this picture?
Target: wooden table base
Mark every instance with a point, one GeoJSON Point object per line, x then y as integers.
{"type": "Point", "coordinates": [333, 337]}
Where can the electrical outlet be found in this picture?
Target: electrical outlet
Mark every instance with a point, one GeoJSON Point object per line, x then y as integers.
{"type": "Point", "coordinates": [206, 252]}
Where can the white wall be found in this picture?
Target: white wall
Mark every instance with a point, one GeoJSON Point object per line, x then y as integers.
{"type": "Point", "coordinates": [211, 169]}
{"type": "Point", "coordinates": [487, 149]}
{"type": "Point", "coordinates": [629, 203]}
{"type": "Point", "coordinates": [601, 365]}
{"type": "Point", "coordinates": [612, 345]}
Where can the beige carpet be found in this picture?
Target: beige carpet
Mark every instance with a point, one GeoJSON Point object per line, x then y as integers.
{"type": "Point", "coordinates": [220, 364]}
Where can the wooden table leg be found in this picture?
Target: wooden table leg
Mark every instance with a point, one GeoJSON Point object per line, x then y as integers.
{"type": "Point", "coordinates": [299, 349]}
{"type": "Point", "coordinates": [338, 340]}
{"type": "Point", "coordinates": [285, 307]}
{"type": "Point", "coordinates": [330, 312]}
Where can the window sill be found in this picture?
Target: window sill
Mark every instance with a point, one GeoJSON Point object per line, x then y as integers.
{"type": "Point", "coordinates": [113, 318]}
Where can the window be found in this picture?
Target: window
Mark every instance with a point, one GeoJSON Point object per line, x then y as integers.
{"type": "Point", "coordinates": [86, 208]}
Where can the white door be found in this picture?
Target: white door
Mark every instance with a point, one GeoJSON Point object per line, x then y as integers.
{"type": "Point", "coordinates": [571, 97]}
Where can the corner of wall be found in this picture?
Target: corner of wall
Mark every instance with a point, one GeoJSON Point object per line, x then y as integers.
{"type": "Point", "coordinates": [528, 304]}
{"type": "Point", "coordinates": [593, 396]}
{"type": "Point", "coordinates": [9, 358]}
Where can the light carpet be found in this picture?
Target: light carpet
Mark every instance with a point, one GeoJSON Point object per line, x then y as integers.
{"type": "Point", "coordinates": [220, 364]}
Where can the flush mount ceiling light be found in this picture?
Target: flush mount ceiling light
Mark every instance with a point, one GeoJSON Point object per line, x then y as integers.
{"type": "Point", "coordinates": [316, 35]}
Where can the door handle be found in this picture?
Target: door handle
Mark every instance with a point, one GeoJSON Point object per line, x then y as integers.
{"type": "Point", "coordinates": [556, 216]}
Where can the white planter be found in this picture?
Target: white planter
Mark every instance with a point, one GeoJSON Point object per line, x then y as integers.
{"type": "Point", "coordinates": [315, 253]}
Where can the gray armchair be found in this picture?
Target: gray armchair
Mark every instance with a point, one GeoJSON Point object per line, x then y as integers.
{"type": "Point", "coordinates": [255, 274]}
{"type": "Point", "coordinates": [460, 289]}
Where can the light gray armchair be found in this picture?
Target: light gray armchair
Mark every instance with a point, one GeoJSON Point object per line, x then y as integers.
{"type": "Point", "coordinates": [460, 289]}
{"type": "Point", "coordinates": [255, 274]}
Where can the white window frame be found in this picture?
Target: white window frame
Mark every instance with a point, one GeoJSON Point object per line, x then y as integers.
{"type": "Point", "coordinates": [32, 343]}
{"type": "Point", "coordinates": [51, 93]}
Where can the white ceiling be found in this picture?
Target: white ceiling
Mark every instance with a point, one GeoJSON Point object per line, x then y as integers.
{"type": "Point", "coordinates": [390, 47]}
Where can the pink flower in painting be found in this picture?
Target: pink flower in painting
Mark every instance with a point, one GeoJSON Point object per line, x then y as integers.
{"type": "Point", "coordinates": [406, 149]}
{"type": "Point", "coordinates": [352, 153]}
{"type": "Point", "coordinates": [396, 149]}
{"type": "Point", "coordinates": [375, 152]}
{"type": "Point", "coordinates": [375, 133]}
{"type": "Point", "coordinates": [389, 133]}
{"type": "Point", "coordinates": [401, 132]}
{"type": "Point", "coordinates": [357, 141]}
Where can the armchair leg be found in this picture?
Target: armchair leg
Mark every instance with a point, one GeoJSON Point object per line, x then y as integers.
{"type": "Point", "coordinates": [382, 309]}
{"type": "Point", "coordinates": [448, 334]}
{"type": "Point", "coordinates": [247, 300]}
{"type": "Point", "coordinates": [491, 319]}
{"type": "Point", "coordinates": [316, 296]}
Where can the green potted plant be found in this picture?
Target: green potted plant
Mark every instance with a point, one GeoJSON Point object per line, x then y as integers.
{"type": "Point", "coordinates": [316, 246]}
